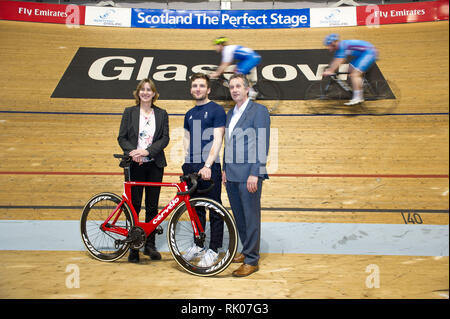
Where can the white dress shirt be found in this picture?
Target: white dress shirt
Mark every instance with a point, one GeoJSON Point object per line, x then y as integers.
{"type": "Point", "coordinates": [237, 113]}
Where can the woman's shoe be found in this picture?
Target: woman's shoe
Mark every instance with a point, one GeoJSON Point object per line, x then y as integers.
{"type": "Point", "coordinates": [150, 248]}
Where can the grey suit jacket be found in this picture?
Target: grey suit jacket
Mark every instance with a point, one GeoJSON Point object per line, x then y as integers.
{"type": "Point", "coordinates": [246, 150]}
{"type": "Point", "coordinates": [129, 132]}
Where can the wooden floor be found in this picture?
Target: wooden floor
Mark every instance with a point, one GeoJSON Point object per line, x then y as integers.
{"type": "Point", "coordinates": [364, 169]}
{"type": "Point", "coordinates": [41, 274]}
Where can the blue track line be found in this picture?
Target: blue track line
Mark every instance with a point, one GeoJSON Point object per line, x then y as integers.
{"type": "Point", "coordinates": [274, 115]}
{"type": "Point", "coordinates": [368, 114]}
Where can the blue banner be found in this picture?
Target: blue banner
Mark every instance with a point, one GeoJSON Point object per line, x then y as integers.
{"type": "Point", "coordinates": [223, 19]}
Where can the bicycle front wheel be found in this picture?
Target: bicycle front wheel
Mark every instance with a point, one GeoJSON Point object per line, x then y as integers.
{"type": "Point", "coordinates": [105, 245]}
{"type": "Point", "coordinates": [325, 97]}
{"type": "Point", "coordinates": [220, 236]}
{"type": "Point", "coordinates": [269, 93]}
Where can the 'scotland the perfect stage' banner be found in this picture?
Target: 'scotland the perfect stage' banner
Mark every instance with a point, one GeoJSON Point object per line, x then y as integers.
{"type": "Point", "coordinates": [372, 15]}
{"type": "Point", "coordinates": [223, 19]}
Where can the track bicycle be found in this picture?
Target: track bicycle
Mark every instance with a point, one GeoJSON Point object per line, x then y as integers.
{"type": "Point", "coordinates": [327, 95]}
{"type": "Point", "coordinates": [268, 92]}
{"type": "Point", "coordinates": [110, 225]}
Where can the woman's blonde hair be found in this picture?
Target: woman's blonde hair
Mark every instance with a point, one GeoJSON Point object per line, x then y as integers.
{"type": "Point", "coordinates": [139, 87]}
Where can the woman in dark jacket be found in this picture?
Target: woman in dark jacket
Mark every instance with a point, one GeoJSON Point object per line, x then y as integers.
{"type": "Point", "coordinates": [143, 134]}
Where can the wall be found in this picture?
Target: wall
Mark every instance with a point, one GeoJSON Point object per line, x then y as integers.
{"type": "Point", "coordinates": [74, 15]}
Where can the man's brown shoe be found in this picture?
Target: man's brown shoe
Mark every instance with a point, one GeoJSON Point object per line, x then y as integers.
{"type": "Point", "coordinates": [239, 258]}
{"type": "Point", "coordinates": [245, 270]}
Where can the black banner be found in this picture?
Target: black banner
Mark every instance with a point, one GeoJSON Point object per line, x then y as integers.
{"type": "Point", "coordinates": [102, 73]}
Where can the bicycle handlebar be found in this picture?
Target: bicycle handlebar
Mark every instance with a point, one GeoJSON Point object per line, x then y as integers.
{"type": "Point", "coordinates": [126, 159]}
{"type": "Point", "coordinates": [193, 177]}
{"type": "Point", "coordinates": [122, 156]}
{"type": "Point", "coordinates": [221, 76]}
{"type": "Point", "coordinates": [338, 73]}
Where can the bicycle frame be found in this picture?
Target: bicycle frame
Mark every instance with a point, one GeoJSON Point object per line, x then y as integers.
{"type": "Point", "coordinates": [150, 226]}
{"type": "Point", "coordinates": [346, 86]}
{"type": "Point", "coordinates": [334, 78]}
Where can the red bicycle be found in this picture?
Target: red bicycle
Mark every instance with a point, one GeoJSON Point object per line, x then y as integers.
{"type": "Point", "coordinates": [110, 226]}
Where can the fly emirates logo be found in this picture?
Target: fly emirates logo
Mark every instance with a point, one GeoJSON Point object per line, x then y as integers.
{"type": "Point", "coordinates": [169, 208]}
{"type": "Point", "coordinates": [39, 12]}
{"type": "Point", "coordinates": [399, 13]}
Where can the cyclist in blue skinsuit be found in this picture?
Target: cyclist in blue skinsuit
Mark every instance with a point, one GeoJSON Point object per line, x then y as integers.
{"type": "Point", "coordinates": [246, 58]}
{"type": "Point", "coordinates": [364, 54]}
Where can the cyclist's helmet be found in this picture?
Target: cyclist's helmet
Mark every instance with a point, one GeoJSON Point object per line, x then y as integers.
{"type": "Point", "coordinates": [330, 39]}
{"type": "Point", "coordinates": [221, 40]}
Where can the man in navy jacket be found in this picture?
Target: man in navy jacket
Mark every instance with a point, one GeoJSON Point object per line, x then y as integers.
{"type": "Point", "coordinates": [247, 135]}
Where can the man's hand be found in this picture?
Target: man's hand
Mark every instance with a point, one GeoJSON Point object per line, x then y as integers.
{"type": "Point", "coordinates": [205, 172]}
{"type": "Point", "coordinates": [327, 72]}
{"type": "Point", "coordinates": [252, 184]}
{"type": "Point", "coordinates": [224, 178]}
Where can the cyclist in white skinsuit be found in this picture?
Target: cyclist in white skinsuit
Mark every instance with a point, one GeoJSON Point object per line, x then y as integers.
{"type": "Point", "coordinates": [246, 58]}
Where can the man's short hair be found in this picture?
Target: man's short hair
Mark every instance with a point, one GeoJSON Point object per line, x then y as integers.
{"type": "Point", "coordinates": [240, 76]}
{"type": "Point", "coordinates": [199, 75]}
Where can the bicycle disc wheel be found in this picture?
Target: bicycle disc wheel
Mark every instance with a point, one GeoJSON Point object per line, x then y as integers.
{"type": "Point", "coordinates": [325, 97]}
{"type": "Point", "coordinates": [103, 245]}
{"type": "Point", "coordinates": [219, 231]}
{"type": "Point", "coordinates": [381, 97]}
{"type": "Point", "coordinates": [269, 94]}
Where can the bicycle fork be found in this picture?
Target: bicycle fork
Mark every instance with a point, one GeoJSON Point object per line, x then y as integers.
{"type": "Point", "coordinates": [344, 85]}
{"type": "Point", "coordinates": [197, 227]}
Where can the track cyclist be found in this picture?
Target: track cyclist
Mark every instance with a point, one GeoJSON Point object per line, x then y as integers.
{"type": "Point", "coordinates": [365, 55]}
{"type": "Point", "coordinates": [246, 58]}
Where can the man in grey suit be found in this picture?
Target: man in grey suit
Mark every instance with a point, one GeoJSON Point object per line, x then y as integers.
{"type": "Point", "coordinates": [247, 134]}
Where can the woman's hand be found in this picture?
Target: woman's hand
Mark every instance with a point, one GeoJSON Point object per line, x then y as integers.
{"type": "Point", "coordinates": [138, 155]}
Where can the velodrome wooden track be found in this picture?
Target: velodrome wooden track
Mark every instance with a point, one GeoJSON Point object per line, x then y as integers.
{"type": "Point", "coordinates": [362, 163]}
